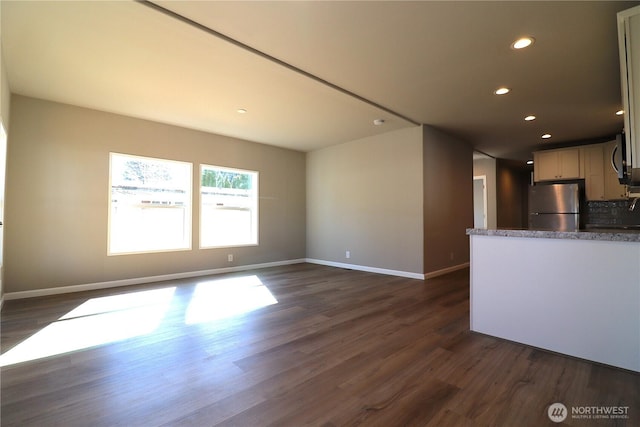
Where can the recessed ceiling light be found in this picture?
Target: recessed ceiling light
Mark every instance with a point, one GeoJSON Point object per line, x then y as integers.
{"type": "Point", "coordinates": [502, 91]}
{"type": "Point", "coordinates": [530, 118]}
{"type": "Point", "coordinates": [529, 162]}
{"type": "Point", "coordinates": [522, 42]}
{"type": "Point", "coordinates": [619, 112]}
{"type": "Point", "coordinates": [378, 122]}
{"type": "Point", "coordinates": [241, 110]}
{"type": "Point", "coordinates": [546, 136]}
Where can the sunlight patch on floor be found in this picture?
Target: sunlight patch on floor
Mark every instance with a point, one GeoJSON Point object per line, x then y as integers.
{"type": "Point", "coordinates": [96, 322]}
{"type": "Point", "coordinates": [218, 299]}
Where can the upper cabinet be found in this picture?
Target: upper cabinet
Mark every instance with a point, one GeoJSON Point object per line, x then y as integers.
{"type": "Point", "coordinates": [629, 44]}
{"type": "Point", "coordinates": [600, 178]}
{"type": "Point", "coordinates": [591, 162]}
{"type": "Point", "coordinates": [612, 187]}
{"type": "Point", "coordinates": [594, 171]}
{"type": "Point", "coordinates": [554, 165]}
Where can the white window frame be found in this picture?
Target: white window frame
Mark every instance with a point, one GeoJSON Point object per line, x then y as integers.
{"type": "Point", "coordinates": [255, 216]}
{"type": "Point", "coordinates": [186, 244]}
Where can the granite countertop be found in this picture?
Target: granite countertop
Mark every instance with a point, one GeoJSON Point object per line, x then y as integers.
{"type": "Point", "coordinates": [615, 235]}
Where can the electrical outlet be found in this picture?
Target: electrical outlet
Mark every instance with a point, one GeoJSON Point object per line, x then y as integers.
{"type": "Point", "coordinates": [230, 257]}
{"type": "Point", "coordinates": [347, 254]}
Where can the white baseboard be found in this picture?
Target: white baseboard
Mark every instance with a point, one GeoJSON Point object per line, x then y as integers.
{"type": "Point", "coordinates": [399, 273]}
{"type": "Point", "coordinates": [150, 279]}
{"type": "Point", "coordinates": [444, 271]}
{"type": "Point", "coordinates": [141, 280]}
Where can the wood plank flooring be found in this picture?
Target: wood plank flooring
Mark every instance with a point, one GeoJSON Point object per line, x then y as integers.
{"type": "Point", "coordinates": [339, 348]}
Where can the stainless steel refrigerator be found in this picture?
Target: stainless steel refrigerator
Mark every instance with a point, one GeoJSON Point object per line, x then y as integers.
{"type": "Point", "coordinates": [554, 207]}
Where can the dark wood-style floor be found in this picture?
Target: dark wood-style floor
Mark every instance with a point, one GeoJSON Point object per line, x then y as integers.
{"type": "Point", "coordinates": [339, 348]}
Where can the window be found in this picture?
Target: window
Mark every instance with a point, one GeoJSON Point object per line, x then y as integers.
{"type": "Point", "coordinates": [150, 204]}
{"type": "Point", "coordinates": [228, 207]}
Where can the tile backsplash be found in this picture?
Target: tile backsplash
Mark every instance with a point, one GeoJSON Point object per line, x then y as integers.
{"type": "Point", "coordinates": [611, 213]}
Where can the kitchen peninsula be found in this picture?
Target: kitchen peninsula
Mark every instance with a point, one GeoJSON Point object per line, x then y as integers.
{"type": "Point", "coordinates": [576, 293]}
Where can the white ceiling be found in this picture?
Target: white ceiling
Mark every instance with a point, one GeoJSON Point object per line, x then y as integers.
{"type": "Point", "coordinates": [314, 74]}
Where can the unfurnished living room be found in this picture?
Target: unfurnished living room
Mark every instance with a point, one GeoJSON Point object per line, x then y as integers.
{"type": "Point", "coordinates": [264, 214]}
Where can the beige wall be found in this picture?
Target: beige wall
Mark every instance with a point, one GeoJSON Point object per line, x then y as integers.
{"type": "Point", "coordinates": [487, 167]}
{"type": "Point", "coordinates": [57, 196]}
{"type": "Point", "coordinates": [448, 200]}
{"type": "Point", "coordinates": [398, 201]}
{"type": "Point", "coordinates": [365, 196]}
{"type": "Point", "coordinates": [5, 94]}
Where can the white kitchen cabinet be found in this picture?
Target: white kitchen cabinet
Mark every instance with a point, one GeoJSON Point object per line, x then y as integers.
{"type": "Point", "coordinates": [553, 165]}
{"type": "Point", "coordinates": [629, 53]}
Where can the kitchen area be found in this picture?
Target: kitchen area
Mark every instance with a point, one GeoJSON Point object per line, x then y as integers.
{"type": "Point", "coordinates": [566, 276]}
{"type": "Point", "coordinates": [582, 188]}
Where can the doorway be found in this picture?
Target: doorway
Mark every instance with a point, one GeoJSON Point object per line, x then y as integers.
{"type": "Point", "coordinates": [480, 201]}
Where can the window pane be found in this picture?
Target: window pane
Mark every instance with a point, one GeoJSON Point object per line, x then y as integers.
{"type": "Point", "coordinates": [228, 207]}
{"type": "Point", "coordinates": [150, 205]}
